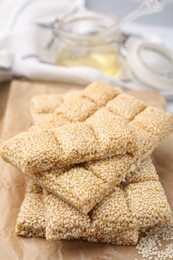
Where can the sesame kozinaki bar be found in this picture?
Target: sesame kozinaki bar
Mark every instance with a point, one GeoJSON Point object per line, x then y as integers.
{"type": "Point", "coordinates": [31, 218]}
{"type": "Point", "coordinates": [102, 135]}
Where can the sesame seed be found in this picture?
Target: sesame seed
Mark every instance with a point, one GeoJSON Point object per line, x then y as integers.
{"type": "Point", "coordinates": [157, 242]}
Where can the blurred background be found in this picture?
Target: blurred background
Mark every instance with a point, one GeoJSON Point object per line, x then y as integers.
{"type": "Point", "coordinates": [35, 37]}
{"type": "Point", "coordinates": [120, 8]}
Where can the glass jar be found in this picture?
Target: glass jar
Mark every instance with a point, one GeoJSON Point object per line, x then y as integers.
{"type": "Point", "coordinates": [87, 39]}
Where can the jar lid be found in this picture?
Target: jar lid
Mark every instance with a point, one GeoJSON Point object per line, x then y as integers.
{"type": "Point", "coordinates": [152, 64]}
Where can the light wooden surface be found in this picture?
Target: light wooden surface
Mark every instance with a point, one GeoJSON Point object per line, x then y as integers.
{"type": "Point", "coordinates": [4, 90]}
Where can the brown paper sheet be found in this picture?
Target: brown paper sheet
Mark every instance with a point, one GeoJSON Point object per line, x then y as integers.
{"type": "Point", "coordinates": [12, 186]}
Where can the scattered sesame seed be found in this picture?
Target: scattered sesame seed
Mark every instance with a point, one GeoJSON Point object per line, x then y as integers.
{"type": "Point", "coordinates": [157, 242]}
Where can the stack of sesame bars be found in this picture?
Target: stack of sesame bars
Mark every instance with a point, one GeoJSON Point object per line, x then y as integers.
{"type": "Point", "coordinates": [88, 166]}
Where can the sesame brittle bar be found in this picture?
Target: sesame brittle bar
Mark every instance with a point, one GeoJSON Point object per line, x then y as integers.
{"type": "Point", "coordinates": [31, 218]}
{"type": "Point", "coordinates": [116, 214]}
{"type": "Point", "coordinates": [85, 186]}
{"type": "Point", "coordinates": [102, 135]}
{"type": "Point", "coordinates": [69, 223]}
{"type": "Point", "coordinates": [116, 219]}
{"type": "Point", "coordinates": [70, 144]}
{"type": "Point", "coordinates": [74, 106]}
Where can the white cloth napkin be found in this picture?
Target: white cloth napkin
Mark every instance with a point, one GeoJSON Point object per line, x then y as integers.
{"type": "Point", "coordinates": [23, 39]}
{"type": "Point", "coordinates": [24, 34]}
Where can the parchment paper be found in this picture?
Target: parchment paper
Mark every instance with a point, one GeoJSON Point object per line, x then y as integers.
{"type": "Point", "coordinates": [12, 187]}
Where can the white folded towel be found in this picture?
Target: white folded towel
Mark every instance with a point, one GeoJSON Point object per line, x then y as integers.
{"type": "Point", "coordinates": [24, 35]}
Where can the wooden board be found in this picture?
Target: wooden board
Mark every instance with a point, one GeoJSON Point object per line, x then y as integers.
{"type": "Point", "coordinates": [4, 89]}
{"type": "Point", "coordinates": [12, 186]}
